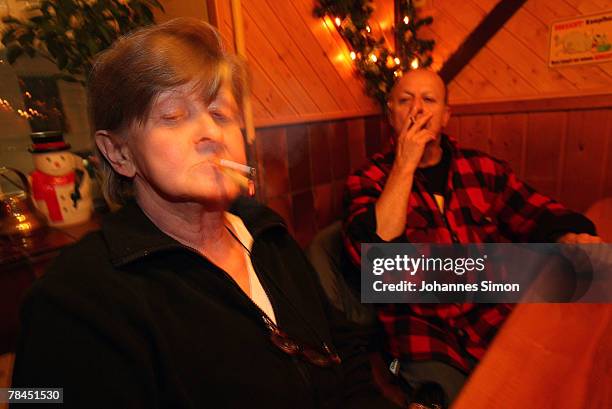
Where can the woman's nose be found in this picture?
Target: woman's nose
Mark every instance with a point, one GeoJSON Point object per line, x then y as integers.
{"type": "Point", "coordinates": [208, 128]}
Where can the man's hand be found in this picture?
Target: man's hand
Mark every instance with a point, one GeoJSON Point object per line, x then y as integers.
{"type": "Point", "coordinates": [411, 142]}
{"type": "Point", "coordinates": [579, 238]}
{"type": "Point", "coordinates": [392, 205]}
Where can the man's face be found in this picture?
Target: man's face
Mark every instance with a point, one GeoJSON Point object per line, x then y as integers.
{"type": "Point", "coordinates": [415, 94]}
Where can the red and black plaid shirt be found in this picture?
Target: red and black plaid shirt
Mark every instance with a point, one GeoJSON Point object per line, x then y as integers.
{"type": "Point", "coordinates": [484, 203]}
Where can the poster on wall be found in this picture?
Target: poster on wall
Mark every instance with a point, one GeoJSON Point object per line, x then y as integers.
{"type": "Point", "coordinates": [581, 40]}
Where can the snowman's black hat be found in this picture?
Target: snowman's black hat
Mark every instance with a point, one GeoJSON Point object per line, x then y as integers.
{"type": "Point", "coordinates": [48, 141]}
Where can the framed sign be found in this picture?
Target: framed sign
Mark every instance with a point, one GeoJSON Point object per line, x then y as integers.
{"type": "Point", "coordinates": [581, 40]}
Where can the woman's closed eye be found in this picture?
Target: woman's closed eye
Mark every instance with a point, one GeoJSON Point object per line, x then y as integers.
{"type": "Point", "coordinates": [221, 114]}
{"type": "Point", "coordinates": [174, 116]}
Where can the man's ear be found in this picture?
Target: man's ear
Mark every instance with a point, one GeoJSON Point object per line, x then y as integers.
{"type": "Point", "coordinates": [446, 116]}
{"type": "Point", "coordinates": [116, 152]}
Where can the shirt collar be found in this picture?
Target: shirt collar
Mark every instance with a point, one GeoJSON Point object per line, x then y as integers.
{"type": "Point", "coordinates": [131, 235]}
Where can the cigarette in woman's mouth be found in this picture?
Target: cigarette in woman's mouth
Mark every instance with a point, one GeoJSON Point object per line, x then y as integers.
{"type": "Point", "coordinates": [240, 180]}
{"type": "Point", "coordinates": [238, 167]}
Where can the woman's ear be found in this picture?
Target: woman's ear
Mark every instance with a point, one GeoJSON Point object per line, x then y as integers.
{"type": "Point", "coordinates": [116, 152]}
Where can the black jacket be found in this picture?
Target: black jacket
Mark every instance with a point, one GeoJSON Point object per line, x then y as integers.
{"type": "Point", "coordinates": [130, 318]}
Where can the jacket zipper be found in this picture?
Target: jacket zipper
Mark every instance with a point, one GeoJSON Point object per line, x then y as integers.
{"type": "Point", "coordinates": [297, 363]}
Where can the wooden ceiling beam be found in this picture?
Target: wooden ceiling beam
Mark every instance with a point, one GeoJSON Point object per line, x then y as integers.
{"type": "Point", "coordinates": [479, 37]}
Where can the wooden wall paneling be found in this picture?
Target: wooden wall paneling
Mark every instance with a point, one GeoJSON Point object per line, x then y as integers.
{"type": "Point", "coordinates": [271, 145]}
{"type": "Point", "coordinates": [283, 206]}
{"type": "Point", "coordinates": [441, 50]}
{"type": "Point", "coordinates": [545, 133]}
{"type": "Point", "coordinates": [501, 74]}
{"type": "Point", "coordinates": [373, 143]}
{"type": "Point", "coordinates": [529, 64]}
{"type": "Point", "coordinates": [508, 134]}
{"type": "Point", "coordinates": [495, 73]}
{"type": "Point", "coordinates": [283, 78]}
{"type": "Point", "coordinates": [591, 6]}
{"type": "Point", "coordinates": [480, 31]}
{"type": "Point", "coordinates": [320, 135]}
{"type": "Point", "coordinates": [476, 84]}
{"type": "Point", "coordinates": [338, 196]}
{"type": "Point", "coordinates": [566, 103]}
{"type": "Point", "coordinates": [213, 12]}
{"type": "Point", "coordinates": [335, 50]}
{"type": "Point", "coordinates": [339, 151]}
{"type": "Point", "coordinates": [584, 154]}
{"type": "Point", "coordinates": [298, 150]}
{"type": "Point", "coordinates": [476, 132]}
{"type": "Point", "coordinates": [265, 98]}
{"type": "Point", "coordinates": [324, 205]}
{"type": "Point", "coordinates": [466, 13]}
{"type": "Point", "coordinates": [606, 190]}
{"type": "Point", "coordinates": [386, 133]}
{"type": "Point", "coordinates": [356, 143]}
{"type": "Point", "coordinates": [447, 33]}
{"type": "Point", "coordinates": [302, 35]}
{"type": "Point", "coordinates": [225, 24]}
{"type": "Point", "coordinates": [304, 217]}
{"type": "Point", "coordinates": [486, 5]}
{"type": "Point", "coordinates": [453, 126]}
{"type": "Point", "coordinates": [288, 53]}
{"type": "Point", "coordinates": [456, 93]}
{"type": "Point", "coordinates": [533, 33]}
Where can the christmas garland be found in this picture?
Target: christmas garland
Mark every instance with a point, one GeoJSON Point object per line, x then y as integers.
{"type": "Point", "coordinates": [376, 62]}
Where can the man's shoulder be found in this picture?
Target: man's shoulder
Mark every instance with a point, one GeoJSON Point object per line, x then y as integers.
{"type": "Point", "coordinates": [376, 167]}
{"type": "Point", "coordinates": [481, 161]}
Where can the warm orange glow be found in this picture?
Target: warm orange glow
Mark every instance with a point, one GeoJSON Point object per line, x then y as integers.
{"type": "Point", "coordinates": [406, 20]}
{"type": "Point", "coordinates": [327, 22]}
{"type": "Point", "coordinates": [397, 61]}
{"type": "Point", "coordinates": [338, 21]}
{"type": "Point", "coordinates": [373, 58]}
{"type": "Point", "coordinates": [353, 55]}
{"type": "Point", "coordinates": [415, 64]}
{"type": "Point", "coordinates": [368, 29]}
{"type": "Point", "coordinates": [390, 63]}
{"type": "Point", "coordinates": [397, 73]}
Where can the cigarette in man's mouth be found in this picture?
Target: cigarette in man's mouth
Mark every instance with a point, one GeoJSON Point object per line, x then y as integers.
{"type": "Point", "coordinates": [239, 167]}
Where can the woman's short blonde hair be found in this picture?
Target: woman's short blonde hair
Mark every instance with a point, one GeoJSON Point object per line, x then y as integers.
{"type": "Point", "coordinates": [128, 77]}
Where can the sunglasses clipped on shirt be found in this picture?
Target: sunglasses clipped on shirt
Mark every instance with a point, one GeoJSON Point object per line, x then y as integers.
{"type": "Point", "coordinates": [322, 358]}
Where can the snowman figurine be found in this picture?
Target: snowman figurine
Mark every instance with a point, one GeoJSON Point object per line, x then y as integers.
{"type": "Point", "coordinates": [60, 184]}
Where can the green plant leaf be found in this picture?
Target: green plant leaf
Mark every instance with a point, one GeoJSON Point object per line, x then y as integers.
{"type": "Point", "coordinates": [10, 20]}
{"type": "Point", "coordinates": [12, 53]}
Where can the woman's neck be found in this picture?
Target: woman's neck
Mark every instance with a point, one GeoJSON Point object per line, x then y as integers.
{"type": "Point", "coordinates": [191, 224]}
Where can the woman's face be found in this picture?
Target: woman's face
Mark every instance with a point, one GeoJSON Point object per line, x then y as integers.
{"type": "Point", "coordinates": [176, 150]}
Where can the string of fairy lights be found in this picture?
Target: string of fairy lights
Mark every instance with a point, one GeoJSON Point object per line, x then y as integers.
{"type": "Point", "coordinates": [378, 62]}
{"type": "Point", "coordinates": [29, 113]}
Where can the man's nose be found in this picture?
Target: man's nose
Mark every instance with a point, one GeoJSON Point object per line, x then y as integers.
{"type": "Point", "coordinates": [417, 107]}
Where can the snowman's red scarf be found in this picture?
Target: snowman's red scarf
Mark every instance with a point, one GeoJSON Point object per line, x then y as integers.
{"type": "Point", "coordinates": [43, 188]}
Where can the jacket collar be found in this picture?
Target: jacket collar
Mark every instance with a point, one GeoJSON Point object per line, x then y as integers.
{"type": "Point", "coordinates": [131, 235]}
